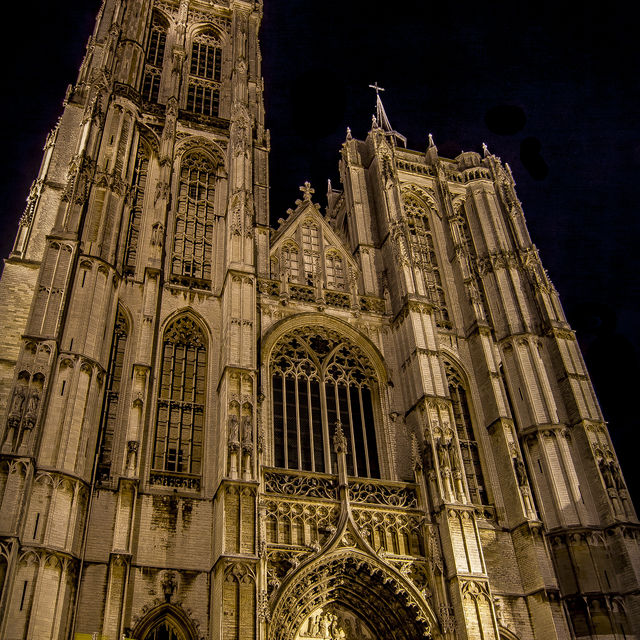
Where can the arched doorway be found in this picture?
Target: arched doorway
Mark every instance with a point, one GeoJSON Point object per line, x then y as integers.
{"type": "Point", "coordinates": [165, 622]}
{"type": "Point", "coordinates": [350, 596]}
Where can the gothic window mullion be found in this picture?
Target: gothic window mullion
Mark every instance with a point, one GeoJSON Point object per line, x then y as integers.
{"type": "Point", "coordinates": [351, 431]}
{"type": "Point", "coordinates": [364, 432]}
{"type": "Point", "coordinates": [310, 414]}
{"type": "Point", "coordinates": [285, 422]}
{"type": "Point", "coordinates": [298, 426]}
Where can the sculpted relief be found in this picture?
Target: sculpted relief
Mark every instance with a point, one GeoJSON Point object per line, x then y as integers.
{"type": "Point", "coordinates": [332, 622]}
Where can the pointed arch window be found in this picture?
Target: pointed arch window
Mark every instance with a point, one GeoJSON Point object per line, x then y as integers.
{"type": "Point", "coordinates": [193, 231]}
{"type": "Point", "coordinates": [289, 261]}
{"type": "Point", "coordinates": [139, 183]}
{"type": "Point", "coordinates": [319, 379]}
{"type": "Point", "coordinates": [112, 396]}
{"type": "Point", "coordinates": [311, 249]}
{"type": "Point", "coordinates": [181, 401]}
{"type": "Point", "coordinates": [205, 74]}
{"type": "Point", "coordinates": [424, 257]}
{"type": "Point", "coordinates": [335, 271]}
{"type": "Point", "coordinates": [154, 58]}
{"type": "Point", "coordinates": [464, 429]}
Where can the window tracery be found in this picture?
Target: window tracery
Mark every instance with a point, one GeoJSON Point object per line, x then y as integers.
{"type": "Point", "coordinates": [289, 261]}
{"type": "Point", "coordinates": [181, 399]}
{"type": "Point", "coordinates": [139, 182]}
{"type": "Point", "coordinates": [468, 443]}
{"type": "Point", "coordinates": [155, 57]}
{"type": "Point", "coordinates": [334, 268]}
{"type": "Point", "coordinates": [319, 379]}
{"type": "Point", "coordinates": [424, 257]}
{"type": "Point", "coordinates": [205, 73]}
{"type": "Point", "coordinates": [193, 231]}
{"type": "Point", "coordinates": [311, 249]}
{"type": "Point", "coordinates": [112, 396]}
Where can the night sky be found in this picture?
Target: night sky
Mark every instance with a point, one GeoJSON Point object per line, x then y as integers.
{"type": "Point", "coordinates": [551, 87]}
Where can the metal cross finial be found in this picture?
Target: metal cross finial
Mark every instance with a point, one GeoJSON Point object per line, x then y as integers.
{"type": "Point", "coordinates": [307, 189]}
{"type": "Point", "coordinates": [376, 87]}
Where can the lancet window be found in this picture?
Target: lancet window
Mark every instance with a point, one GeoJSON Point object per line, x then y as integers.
{"type": "Point", "coordinates": [181, 399]}
{"type": "Point", "coordinates": [139, 182]}
{"type": "Point", "coordinates": [468, 444]}
{"type": "Point", "coordinates": [154, 59]}
{"type": "Point", "coordinates": [289, 261]}
{"type": "Point", "coordinates": [429, 281]}
{"type": "Point", "coordinates": [334, 268]}
{"type": "Point", "coordinates": [319, 379]}
{"type": "Point", "coordinates": [112, 396]}
{"type": "Point", "coordinates": [205, 73]}
{"type": "Point", "coordinates": [311, 249]}
{"type": "Point", "coordinates": [193, 231]}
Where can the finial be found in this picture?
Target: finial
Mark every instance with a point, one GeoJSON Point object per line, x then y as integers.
{"type": "Point", "coordinates": [377, 88]}
{"type": "Point", "coordinates": [416, 458]}
{"type": "Point", "coordinates": [349, 136]}
{"type": "Point", "coordinates": [485, 149]}
{"type": "Point", "coordinates": [307, 190]}
{"type": "Point", "coordinates": [431, 142]}
{"type": "Point", "coordinates": [339, 441]}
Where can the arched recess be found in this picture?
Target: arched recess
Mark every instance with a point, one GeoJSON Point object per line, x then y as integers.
{"type": "Point", "coordinates": [460, 394]}
{"type": "Point", "coordinates": [321, 371]}
{"type": "Point", "coordinates": [368, 601]}
{"type": "Point", "coordinates": [181, 401]}
{"type": "Point", "coordinates": [165, 622]}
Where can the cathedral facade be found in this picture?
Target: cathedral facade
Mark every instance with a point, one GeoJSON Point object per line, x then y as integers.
{"type": "Point", "coordinates": [370, 422]}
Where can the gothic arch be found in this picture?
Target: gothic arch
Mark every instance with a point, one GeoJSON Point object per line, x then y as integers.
{"type": "Point", "coordinates": [199, 143]}
{"type": "Point", "coordinates": [202, 27]}
{"type": "Point", "coordinates": [313, 320]}
{"type": "Point", "coordinates": [425, 198]}
{"type": "Point", "coordinates": [180, 403]}
{"type": "Point", "coordinates": [352, 584]}
{"type": "Point", "coordinates": [174, 617]}
{"type": "Point", "coordinates": [465, 422]}
{"type": "Point", "coordinates": [345, 381]}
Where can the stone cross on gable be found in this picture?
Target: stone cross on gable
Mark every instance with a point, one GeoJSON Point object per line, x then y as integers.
{"type": "Point", "coordinates": [307, 189]}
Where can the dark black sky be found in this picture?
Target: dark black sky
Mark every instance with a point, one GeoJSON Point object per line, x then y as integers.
{"type": "Point", "coordinates": [567, 71]}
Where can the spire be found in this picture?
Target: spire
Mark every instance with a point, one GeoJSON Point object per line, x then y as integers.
{"type": "Point", "coordinates": [382, 121]}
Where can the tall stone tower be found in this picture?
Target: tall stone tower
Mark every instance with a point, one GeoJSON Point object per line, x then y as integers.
{"type": "Point", "coordinates": [372, 422]}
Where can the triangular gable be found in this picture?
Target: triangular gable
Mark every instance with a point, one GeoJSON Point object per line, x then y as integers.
{"type": "Point", "coordinates": [308, 210]}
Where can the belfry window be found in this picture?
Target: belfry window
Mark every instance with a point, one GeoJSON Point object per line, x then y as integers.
{"type": "Point", "coordinates": [205, 73]}
{"type": "Point", "coordinates": [181, 399]}
{"type": "Point", "coordinates": [139, 184]}
{"type": "Point", "coordinates": [319, 379]}
{"type": "Point", "coordinates": [155, 57]}
{"type": "Point", "coordinates": [468, 444]}
{"type": "Point", "coordinates": [423, 256]}
{"type": "Point", "coordinates": [193, 231]}
{"type": "Point", "coordinates": [112, 396]}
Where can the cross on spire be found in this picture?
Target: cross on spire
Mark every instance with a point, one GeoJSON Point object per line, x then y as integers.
{"type": "Point", "coordinates": [307, 189]}
{"type": "Point", "coordinates": [376, 88]}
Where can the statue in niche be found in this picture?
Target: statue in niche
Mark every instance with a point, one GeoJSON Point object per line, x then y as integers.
{"type": "Point", "coordinates": [157, 235]}
{"type": "Point", "coordinates": [521, 472]}
{"type": "Point", "coordinates": [444, 454]}
{"type": "Point", "coordinates": [32, 410]}
{"type": "Point", "coordinates": [607, 475]}
{"type": "Point", "coordinates": [234, 429]}
{"type": "Point", "coordinates": [16, 407]}
{"type": "Point", "coordinates": [247, 430]}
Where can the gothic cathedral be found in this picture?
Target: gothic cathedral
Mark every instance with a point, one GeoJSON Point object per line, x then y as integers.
{"type": "Point", "coordinates": [370, 423]}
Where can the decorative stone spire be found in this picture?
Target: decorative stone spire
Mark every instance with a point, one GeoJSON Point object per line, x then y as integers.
{"type": "Point", "coordinates": [381, 120]}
